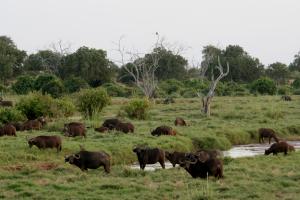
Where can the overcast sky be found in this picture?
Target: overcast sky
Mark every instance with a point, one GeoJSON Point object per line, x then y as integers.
{"type": "Point", "coordinates": [267, 29]}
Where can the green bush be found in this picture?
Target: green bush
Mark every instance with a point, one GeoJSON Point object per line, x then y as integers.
{"type": "Point", "coordinates": [283, 90]}
{"type": "Point", "coordinates": [171, 86]}
{"type": "Point", "coordinates": [296, 83]}
{"type": "Point", "coordinates": [92, 101]}
{"type": "Point", "coordinates": [10, 115]}
{"type": "Point", "coordinates": [3, 89]}
{"type": "Point", "coordinates": [296, 92]}
{"type": "Point", "coordinates": [74, 84]}
{"type": "Point", "coordinates": [55, 88]}
{"type": "Point", "coordinates": [35, 105]}
{"type": "Point", "coordinates": [42, 80]}
{"type": "Point", "coordinates": [263, 86]}
{"type": "Point", "coordinates": [24, 85]}
{"type": "Point", "coordinates": [65, 107]}
{"type": "Point", "coordinates": [117, 90]}
{"type": "Point", "coordinates": [189, 93]}
{"type": "Point", "coordinates": [211, 142]}
{"type": "Point", "coordinates": [137, 108]}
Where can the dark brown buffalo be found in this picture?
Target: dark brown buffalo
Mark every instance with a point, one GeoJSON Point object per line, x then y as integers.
{"type": "Point", "coordinates": [209, 153]}
{"type": "Point", "coordinates": [74, 129]}
{"type": "Point", "coordinates": [179, 122]}
{"type": "Point", "coordinates": [17, 125]}
{"type": "Point", "coordinates": [44, 142]}
{"type": "Point", "coordinates": [5, 103]}
{"type": "Point", "coordinates": [267, 133]}
{"type": "Point", "coordinates": [125, 127]}
{"type": "Point", "coordinates": [101, 129]}
{"type": "Point", "coordinates": [35, 124]}
{"type": "Point", "coordinates": [8, 129]}
{"type": "Point", "coordinates": [202, 165]}
{"type": "Point", "coordinates": [286, 98]}
{"type": "Point", "coordinates": [150, 156]}
{"type": "Point", "coordinates": [278, 148]}
{"type": "Point", "coordinates": [175, 157]}
{"type": "Point", "coordinates": [90, 160]}
{"type": "Point", "coordinates": [163, 130]}
{"type": "Point", "coordinates": [111, 123]}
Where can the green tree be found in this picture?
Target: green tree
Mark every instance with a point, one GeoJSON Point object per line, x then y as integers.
{"type": "Point", "coordinates": [278, 71]}
{"type": "Point", "coordinates": [263, 86]}
{"type": "Point", "coordinates": [88, 63]}
{"type": "Point", "coordinates": [74, 84]}
{"type": "Point", "coordinates": [45, 60]}
{"type": "Point", "coordinates": [295, 65]}
{"type": "Point", "coordinates": [11, 58]}
{"type": "Point", "coordinates": [43, 79]}
{"type": "Point", "coordinates": [24, 84]}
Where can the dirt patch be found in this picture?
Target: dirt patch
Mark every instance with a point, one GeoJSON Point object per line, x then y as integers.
{"type": "Point", "coordinates": [46, 166]}
{"type": "Point", "coordinates": [13, 167]}
{"type": "Point", "coordinates": [40, 166]}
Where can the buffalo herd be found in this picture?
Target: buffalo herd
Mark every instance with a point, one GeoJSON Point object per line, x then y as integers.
{"type": "Point", "coordinates": [201, 163]}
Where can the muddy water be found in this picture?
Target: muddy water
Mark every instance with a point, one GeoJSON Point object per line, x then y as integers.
{"type": "Point", "coordinates": [237, 151]}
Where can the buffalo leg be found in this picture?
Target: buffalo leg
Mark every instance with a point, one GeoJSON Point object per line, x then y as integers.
{"type": "Point", "coordinates": [107, 168]}
{"type": "Point", "coordinates": [162, 163]}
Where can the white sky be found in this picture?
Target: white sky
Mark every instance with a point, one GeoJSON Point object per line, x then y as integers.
{"type": "Point", "coordinates": [267, 29]}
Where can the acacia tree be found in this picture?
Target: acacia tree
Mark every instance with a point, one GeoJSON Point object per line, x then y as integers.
{"type": "Point", "coordinates": [141, 69]}
{"type": "Point", "coordinates": [206, 101]}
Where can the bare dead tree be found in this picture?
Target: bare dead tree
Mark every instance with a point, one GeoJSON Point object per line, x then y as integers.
{"type": "Point", "coordinates": [142, 71]}
{"type": "Point", "coordinates": [206, 101]}
{"type": "Point", "coordinates": [61, 48]}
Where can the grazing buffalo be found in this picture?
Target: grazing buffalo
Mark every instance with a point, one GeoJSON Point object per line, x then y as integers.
{"type": "Point", "coordinates": [179, 122]}
{"type": "Point", "coordinates": [163, 130]}
{"type": "Point", "coordinates": [74, 129]}
{"type": "Point", "coordinates": [101, 129]}
{"type": "Point", "coordinates": [8, 129]}
{"type": "Point", "coordinates": [125, 127]}
{"type": "Point", "coordinates": [286, 98]}
{"type": "Point", "coordinates": [89, 160]}
{"type": "Point", "coordinates": [111, 123]}
{"type": "Point", "coordinates": [267, 133]}
{"type": "Point", "coordinates": [175, 157]}
{"type": "Point", "coordinates": [279, 147]}
{"type": "Point", "coordinates": [44, 142]}
{"type": "Point", "coordinates": [35, 124]}
{"type": "Point", "coordinates": [150, 156]}
{"type": "Point", "coordinates": [17, 125]}
{"type": "Point", "coordinates": [202, 165]}
{"type": "Point", "coordinates": [5, 103]}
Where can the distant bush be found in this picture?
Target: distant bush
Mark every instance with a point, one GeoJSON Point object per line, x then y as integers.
{"type": "Point", "coordinates": [3, 88]}
{"type": "Point", "coordinates": [54, 87]}
{"type": "Point", "coordinates": [263, 86]}
{"type": "Point", "coordinates": [296, 92]}
{"type": "Point", "coordinates": [189, 93]}
{"type": "Point", "coordinates": [211, 142]}
{"type": "Point", "coordinates": [283, 90]}
{"type": "Point", "coordinates": [137, 108]}
{"type": "Point", "coordinates": [10, 115]}
{"type": "Point", "coordinates": [296, 83]}
{"type": "Point", "coordinates": [43, 80]}
{"type": "Point", "coordinates": [171, 86]}
{"type": "Point", "coordinates": [24, 84]}
{"type": "Point", "coordinates": [74, 84]}
{"type": "Point", "coordinates": [65, 107]}
{"type": "Point", "coordinates": [117, 90]}
{"type": "Point", "coordinates": [92, 101]}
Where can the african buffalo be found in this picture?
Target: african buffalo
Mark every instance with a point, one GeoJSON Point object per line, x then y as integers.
{"type": "Point", "coordinates": [279, 147]}
{"type": "Point", "coordinates": [202, 165]}
{"type": "Point", "coordinates": [5, 103]}
{"type": "Point", "coordinates": [101, 129]}
{"type": "Point", "coordinates": [175, 157]}
{"type": "Point", "coordinates": [179, 122]}
{"type": "Point", "coordinates": [111, 123]}
{"type": "Point", "coordinates": [35, 124]}
{"type": "Point", "coordinates": [43, 142]}
{"type": "Point", "coordinates": [8, 129]}
{"type": "Point", "coordinates": [150, 156]}
{"type": "Point", "coordinates": [74, 129]}
{"type": "Point", "coordinates": [125, 127]}
{"type": "Point", "coordinates": [17, 125]}
{"type": "Point", "coordinates": [286, 98]}
{"type": "Point", "coordinates": [163, 130]}
{"type": "Point", "coordinates": [90, 160]}
{"type": "Point", "coordinates": [267, 133]}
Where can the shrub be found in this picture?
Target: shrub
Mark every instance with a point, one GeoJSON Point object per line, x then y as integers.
{"type": "Point", "coordinates": [92, 101]}
{"type": "Point", "coordinates": [23, 85]}
{"type": "Point", "coordinates": [296, 92]}
{"type": "Point", "coordinates": [10, 115]}
{"type": "Point", "coordinates": [55, 88]}
{"type": "Point", "coordinates": [74, 84]}
{"type": "Point", "coordinates": [171, 86]}
{"type": "Point", "coordinates": [263, 86]}
{"type": "Point", "coordinates": [43, 79]}
{"type": "Point", "coordinates": [65, 107]}
{"type": "Point", "coordinates": [117, 90]}
{"type": "Point", "coordinates": [283, 90]}
{"type": "Point", "coordinates": [137, 108]}
{"type": "Point", "coordinates": [296, 83]}
{"type": "Point", "coordinates": [211, 142]}
{"type": "Point", "coordinates": [35, 105]}
{"type": "Point", "coordinates": [189, 93]}
{"type": "Point", "coordinates": [3, 89]}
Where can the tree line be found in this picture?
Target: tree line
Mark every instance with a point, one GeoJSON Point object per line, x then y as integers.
{"type": "Point", "coordinates": [91, 67]}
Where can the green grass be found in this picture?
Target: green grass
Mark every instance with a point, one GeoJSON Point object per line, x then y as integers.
{"type": "Point", "coordinates": [33, 174]}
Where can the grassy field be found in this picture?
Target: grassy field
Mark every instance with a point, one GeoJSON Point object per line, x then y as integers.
{"type": "Point", "coordinates": [34, 174]}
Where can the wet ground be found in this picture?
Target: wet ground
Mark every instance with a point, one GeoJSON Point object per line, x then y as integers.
{"type": "Point", "coordinates": [237, 151]}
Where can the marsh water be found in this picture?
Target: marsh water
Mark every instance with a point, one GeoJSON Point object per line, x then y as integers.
{"type": "Point", "coordinates": [237, 151]}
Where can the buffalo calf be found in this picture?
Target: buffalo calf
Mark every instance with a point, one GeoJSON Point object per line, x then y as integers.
{"type": "Point", "coordinates": [8, 129]}
{"type": "Point", "coordinates": [43, 142]}
{"type": "Point", "coordinates": [175, 157]}
{"type": "Point", "coordinates": [150, 156]}
{"type": "Point", "coordinates": [125, 127]}
{"type": "Point", "coordinates": [163, 130]}
{"type": "Point", "coordinates": [280, 147]}
{"type": "Point", "coordinates": [179, 122]}
{"type": "Point", "coordinates": [74, 129]}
